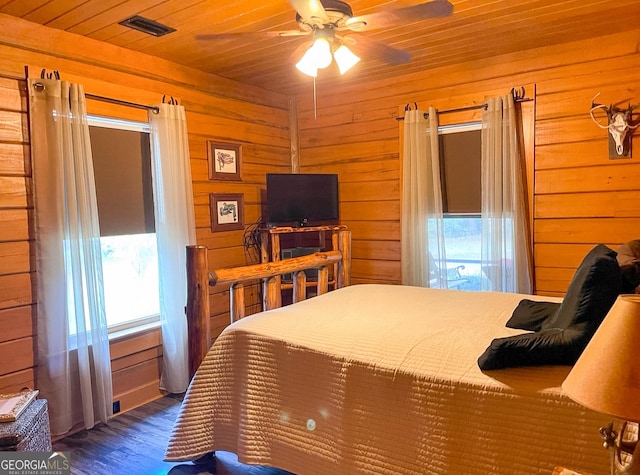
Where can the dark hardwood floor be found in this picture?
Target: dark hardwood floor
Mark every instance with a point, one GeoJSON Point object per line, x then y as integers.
{"type": "Point", "coordinates": [133, 443]}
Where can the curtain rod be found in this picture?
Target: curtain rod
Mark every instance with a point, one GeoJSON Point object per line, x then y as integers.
{"type": "Point", "coordinates": [119, 102]}
{"type": "Point", "coordinates": [517, 97]}
{"type": "Point", "coordinates": [155, 109]}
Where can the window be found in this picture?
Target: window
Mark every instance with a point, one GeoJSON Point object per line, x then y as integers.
{"type": "Point", "coordinates": [460, 155]}
{"type": "Point", "coordinates": [122, 166]}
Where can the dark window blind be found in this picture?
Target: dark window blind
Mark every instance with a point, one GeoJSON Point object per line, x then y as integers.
{"type": "Point", "coordinates": [122, 168]}
{"type": "Point", "coordinates": [460, 154]}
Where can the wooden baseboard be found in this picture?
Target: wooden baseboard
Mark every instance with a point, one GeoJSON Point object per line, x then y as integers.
{"type": "Point", "coordinates": [139, 396]}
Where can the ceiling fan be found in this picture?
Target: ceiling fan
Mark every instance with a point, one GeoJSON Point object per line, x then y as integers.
{"type": "Point", "coordinates": [334, 31]}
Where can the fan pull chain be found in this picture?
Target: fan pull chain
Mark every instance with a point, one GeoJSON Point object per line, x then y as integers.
{"type": "Point", "coordinates": [315, 104]}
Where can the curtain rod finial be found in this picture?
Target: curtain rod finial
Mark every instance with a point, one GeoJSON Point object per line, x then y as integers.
{"type": "Point", "coordinates": [518, 94]}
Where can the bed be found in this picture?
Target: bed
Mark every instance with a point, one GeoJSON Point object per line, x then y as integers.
{"type": "Point", "coordinates": [382, 379]}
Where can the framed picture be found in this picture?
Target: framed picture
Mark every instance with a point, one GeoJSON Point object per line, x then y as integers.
{"type": "Point", "coordinates": [224, 161]}
{"type": "Point", "coordinates": [226, 211]}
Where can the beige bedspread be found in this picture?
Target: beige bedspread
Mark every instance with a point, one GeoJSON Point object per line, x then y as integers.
{"type": "Point", "coordinates": [383, 379]}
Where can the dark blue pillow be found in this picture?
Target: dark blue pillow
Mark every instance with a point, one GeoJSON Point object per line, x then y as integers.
{"type": "Point", "coordinates": [563, 336]}
{"type": "Point", "coordinates": [592, 291]}
{"type": "Point", "coordinates": [531, 314]}
{"type": "Point", "coordinates": [546, 347]}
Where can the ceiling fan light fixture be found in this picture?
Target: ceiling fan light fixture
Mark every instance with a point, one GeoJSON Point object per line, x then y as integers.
{"type": "Point", "coordinates": [345, 59]}
{"type": "Point", "coordinates": [318, 56]}
{"type": "Point", "coordinates": [321, 53]}
{"type": "Point", "coordinates": [307, 66]}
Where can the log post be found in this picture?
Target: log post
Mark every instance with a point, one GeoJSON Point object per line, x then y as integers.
{"type": "Point", "coordinates": [299, 286]}
{"type": "Point", "coordinates": [237, 304]}
{"type": "Point", "coordinates": [344, 266]}
{"type": "Point", "coordinates": [197, 309]}
{"type": "Point", "coordinates": [335, 245]}
{"type": "Point", "coordinates": [264, 246]}
{"type": "Point", "coordinates": [272, 293]}
{"type": "Point", "coordinates": [275, 301]}
{"type": "Point", "coordinates": [323, 280]}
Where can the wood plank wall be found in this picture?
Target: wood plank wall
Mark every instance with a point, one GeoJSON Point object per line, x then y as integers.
{"type": "Point", "coordinates": [580, 197]}
{"type": "Point", "coordinates": [16, 337]}
{"type": "Point", "coordinates": [217, 109]}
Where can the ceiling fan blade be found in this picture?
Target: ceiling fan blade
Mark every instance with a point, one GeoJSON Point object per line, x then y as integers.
{"type": "Point", "coordinates": [311, 11]}
{"type": "Point", "coordinates": [366, 48]}
{"type": "Point", "coordinates": [395, 17]}
{"type": "Point", "coordinates": [256, 35]}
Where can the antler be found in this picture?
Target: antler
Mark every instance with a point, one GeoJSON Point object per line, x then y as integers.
{"type": "Point", "coordinates": [630, 110]}
{"type": "Point", "coordinates": [595, 106]}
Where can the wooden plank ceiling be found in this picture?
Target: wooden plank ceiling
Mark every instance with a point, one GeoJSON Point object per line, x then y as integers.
{"type": "Point", "coordinates": [477, 29]}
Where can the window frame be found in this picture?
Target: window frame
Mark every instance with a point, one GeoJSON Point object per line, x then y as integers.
{"type": "Point", "coordinates": [452, 129]}
{"type": "Point", "coordinates": [461, 127]}
{"type": "Point", "coordinates": [449, 130]}
{"type": "Point", "coordinates": [150, 321]}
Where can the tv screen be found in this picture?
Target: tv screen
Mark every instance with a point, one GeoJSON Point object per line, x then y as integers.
{"type": "Point", "coordinates": [302, 199]}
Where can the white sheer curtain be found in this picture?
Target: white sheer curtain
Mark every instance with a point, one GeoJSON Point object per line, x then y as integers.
{"type": "Point", "coordinates": [422, 222]}
{"type": "Point", "coordinates": [175, 229]}
{"type": "Point", "coordinates": [73, 362]}
{"type": "Point", "coordinates": [505, 250]}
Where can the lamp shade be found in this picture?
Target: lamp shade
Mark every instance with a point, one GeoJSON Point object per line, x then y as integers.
{"type": "Point", "coordinates": [307, 66]}
{"type": "Point", "coordinates": [318, 56]}
{"type": "Point", "coordinates": [345, 59]}
{"type": "Point", "coordinates": [320, 51]}
{"type": "Point", "coordinates": [606, 377]}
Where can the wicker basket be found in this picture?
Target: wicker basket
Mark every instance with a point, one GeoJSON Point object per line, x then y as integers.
{"type": "Point", "coordinates": [30, 432]}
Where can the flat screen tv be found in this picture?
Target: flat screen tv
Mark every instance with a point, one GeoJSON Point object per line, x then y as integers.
{"type": "Point", "coordinates": [302, 199]}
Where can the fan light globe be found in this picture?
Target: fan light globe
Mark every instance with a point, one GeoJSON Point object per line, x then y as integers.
{"type": "Point", "coordinates": [345, 59]}
{"type": "Point", "coordinates": [307, 66]}
{"type": "Point", "coordinates": [321, 53]}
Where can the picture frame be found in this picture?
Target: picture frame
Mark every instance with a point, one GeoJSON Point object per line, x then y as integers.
{"type": "Point", "coordinates": [227, 211]}
{"type": "Point", "coordinates": [224, 161]}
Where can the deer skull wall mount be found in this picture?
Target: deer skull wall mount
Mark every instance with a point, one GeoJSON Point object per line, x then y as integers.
{"type": "Point", "coordinates": [619, 126]}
